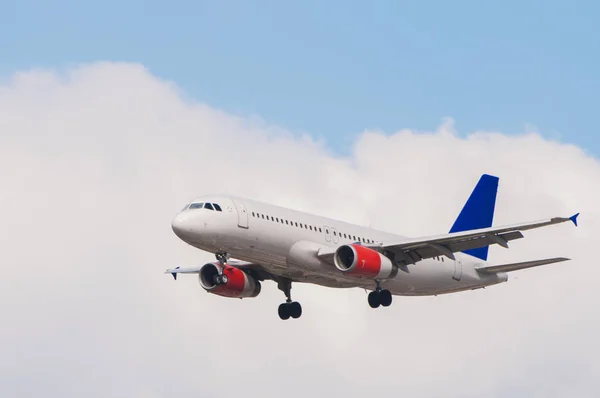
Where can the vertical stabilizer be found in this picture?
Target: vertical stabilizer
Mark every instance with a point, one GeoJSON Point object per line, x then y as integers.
{"type": "Point", "coordinates": [478, 212]}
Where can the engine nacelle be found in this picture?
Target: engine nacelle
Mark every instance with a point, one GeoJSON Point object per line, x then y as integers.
{"type": "Point", "coordinates": [239, 284]}
{"type": "Point", "coordinates": [363, 262]}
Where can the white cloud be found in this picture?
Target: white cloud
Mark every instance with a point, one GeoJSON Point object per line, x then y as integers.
{"type": "Point", "coordinates": [95, 162]}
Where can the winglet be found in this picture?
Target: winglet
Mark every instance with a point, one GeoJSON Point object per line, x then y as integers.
{"type": "Point", "coordinates": [173, 273]}
{"type": "Point", "coordinates": [574, 218]}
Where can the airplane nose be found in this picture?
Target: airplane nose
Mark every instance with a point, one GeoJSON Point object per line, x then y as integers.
{"type": "Point", "coordinates": [178, 225]}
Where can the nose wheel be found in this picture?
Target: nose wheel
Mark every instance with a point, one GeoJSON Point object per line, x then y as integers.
{"type": "Point", "coordinates": [219, 280]}
{"type": "Point", "coordinates": [379, 297]}
{"type": "Point", "coordinates": [289, 309]}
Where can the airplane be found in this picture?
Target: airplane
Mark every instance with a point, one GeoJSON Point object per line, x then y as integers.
{"type": "Point", "coordinates": [255, 242]}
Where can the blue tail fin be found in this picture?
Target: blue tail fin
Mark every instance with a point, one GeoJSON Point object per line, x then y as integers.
{"type": "Point", "coordinates": [478, 212]}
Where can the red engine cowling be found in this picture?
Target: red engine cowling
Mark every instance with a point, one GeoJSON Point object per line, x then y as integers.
{"type": "Point", "coordinates": [363, 262]}
{"type": "Point", "coordinates": [239, 284]}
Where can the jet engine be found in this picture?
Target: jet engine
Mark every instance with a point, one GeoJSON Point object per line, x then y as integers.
{"type": "Point", "coordinates": [232, 283]}
{"type": "Point", "coordinates": [363, 262]}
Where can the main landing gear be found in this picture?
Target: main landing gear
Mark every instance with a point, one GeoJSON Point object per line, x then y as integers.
{"type": "Point", "coordinates": [379, 297]}
{"type": "Point", "coordinates": [220, 278]}
{"type": "Point", "coordinates": [289, 308]}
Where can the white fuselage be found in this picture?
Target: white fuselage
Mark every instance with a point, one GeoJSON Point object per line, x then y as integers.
{"type": "Point", "coordinates": [285, 242]}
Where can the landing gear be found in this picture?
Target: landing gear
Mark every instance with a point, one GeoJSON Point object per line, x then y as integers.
{"type": "Point", "coordinates": [289, 308]}
{"type": "Point", "coordinates": [220, 278]}
{"type": "Point", "coordinates": [379, 297]}
{"type": "Point", "coordinates": [222, 257]}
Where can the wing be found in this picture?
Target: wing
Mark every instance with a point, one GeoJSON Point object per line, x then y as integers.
{"type": "Point", "coordinates": [256, 270]}
{"type": "Point", "coordinates": [492, 269]}
{"type": "Point", "coordinates": [412, 250]}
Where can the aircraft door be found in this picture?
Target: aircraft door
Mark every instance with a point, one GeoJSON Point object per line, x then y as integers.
{"type": "Point", "coordinates": [335, 235]}
{"type": "Point", "coordinates": [242, 213]}
{"type": "Point", "coordinates": [457, 269]}
{"type": "Point", "coordinates": [327, 233]}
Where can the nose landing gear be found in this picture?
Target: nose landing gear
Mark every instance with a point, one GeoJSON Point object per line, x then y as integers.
{"type": "Point", "coordinates": [222, 257]}
{"type": "Point", "coordinates": [220, 278]}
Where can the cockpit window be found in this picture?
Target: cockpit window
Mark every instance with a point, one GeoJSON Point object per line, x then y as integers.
{"type": "Point", "coordinates": [185, 207]}
{"type": "Point", "coordinates": [204, 205]}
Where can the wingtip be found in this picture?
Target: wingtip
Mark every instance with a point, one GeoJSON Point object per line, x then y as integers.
{"type": "Point", "coordinates": [574, 218]}
{"type": "Point", "coordinates": [170, 271]}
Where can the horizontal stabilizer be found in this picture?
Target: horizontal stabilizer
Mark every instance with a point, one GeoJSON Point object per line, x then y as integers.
{"type": "Point", "coordinates": [179, 270]}
{"type": "Point", "coordinates": [492, 269]}
{"type": "Point", "coordinates": [196, 268]}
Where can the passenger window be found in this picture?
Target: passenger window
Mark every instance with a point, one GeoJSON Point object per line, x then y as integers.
{"type": "Point", "coordinates": [310, 227]}
{"type": "Point", "coordinates": [327, 231]}
{"type": "Point", "coordinates": [263, 216]}
{"type": "Point", "coordinates": [334, 233]}
{"type": "Point", "coordinates": [320, 229]}
{"type": "Point", "coordinates": [253, 214]}
{"type": "Point", "coordinates": [208, 206]}
{"type": "Point", "coordinates": [286, 222]}
{"type": "Point", "coordinates": [217, 207]}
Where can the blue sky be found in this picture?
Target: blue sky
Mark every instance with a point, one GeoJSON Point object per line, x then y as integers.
{"type": "Point", "coordinates": [334, 68]}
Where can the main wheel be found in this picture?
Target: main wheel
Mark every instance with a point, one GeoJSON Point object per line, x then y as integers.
{"type": "Point", "coordinates": [385, 298]}
{"type": "Point", "coordinates": [374, 300]}
{"type": "Point", "coordinates": [295, 309]}
{"type": "Point", "coordinates": [284, 311]}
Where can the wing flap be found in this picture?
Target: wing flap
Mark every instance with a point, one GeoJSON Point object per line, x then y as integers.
{"type": "Point", "coordinates": [493, 269]}
{"type": "Point", "coordinates": [433, 249]}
